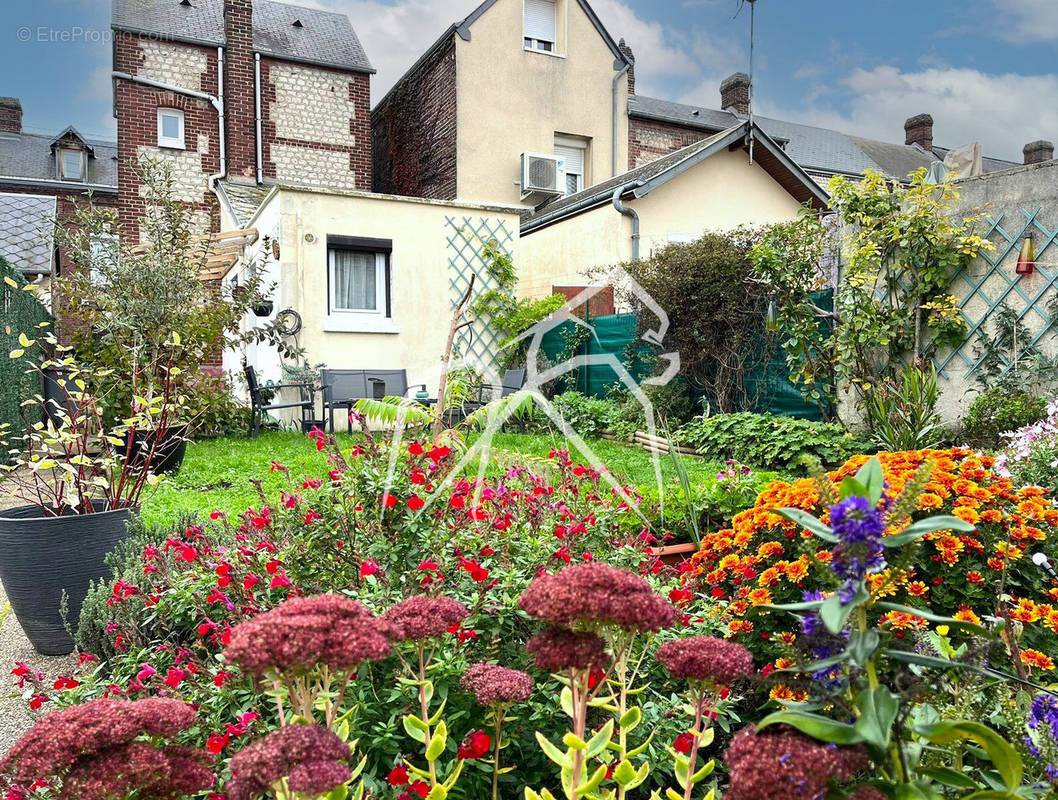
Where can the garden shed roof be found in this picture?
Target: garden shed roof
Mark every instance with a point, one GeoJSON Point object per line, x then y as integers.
{"type": "Point", "coordinates": [27, 232]}
{"type": "Point", "coordinates": [321, 37]}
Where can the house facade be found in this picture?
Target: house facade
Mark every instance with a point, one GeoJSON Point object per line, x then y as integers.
{"type": "Point", "coordinates": [241, 91]}
{"type": "Point", "coordinates": [514, 77]}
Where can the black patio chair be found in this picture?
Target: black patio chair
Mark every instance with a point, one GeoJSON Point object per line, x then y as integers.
{"type": "Point", "coordinates": [259, 405]}
{"type": "Point", "coordinates": [343, 387]}
{"type": "Point", "coordinates": [513, 380]}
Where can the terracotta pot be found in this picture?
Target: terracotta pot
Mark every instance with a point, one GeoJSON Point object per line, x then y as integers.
{"type": "Point", "coordinates": [674, 554]}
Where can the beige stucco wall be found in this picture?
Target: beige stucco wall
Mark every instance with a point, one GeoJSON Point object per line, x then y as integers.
{"type": "Point", "coordinates": [510, 101]}
{"type": "Point", "coordinates": [421, 295]}
{"type": "Point", "coordinates": [720, 193]}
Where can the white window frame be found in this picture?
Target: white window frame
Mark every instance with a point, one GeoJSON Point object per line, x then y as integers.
{"type": "Point", "coordinates": [81, 174]}
{"type": "Point", "coordinates": [534, 44]}
{"type": "Point", "coordinates": [98, 246]}
{"type": "Point", "coordinates": [172, 142]}
{"type": "Point", "coordinates": [352, 320]}
{"type": "Point", "coordinates": [573, 143]}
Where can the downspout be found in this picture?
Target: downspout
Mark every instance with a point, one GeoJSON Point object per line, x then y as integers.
{"type": "Point", "coordinates": [216, 102]}
{"type": "Point", "coordinates": [630, 213]}
{"type": "Point", "coordinates": [616, 120]}
{"type": "Point", "coordinates": [257, 100]}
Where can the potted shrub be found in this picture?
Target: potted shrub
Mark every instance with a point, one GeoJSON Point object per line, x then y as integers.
{"type": "Point", "coordinates": [78, 489]}
{"type": "Point", "coordinates": [148, 315]}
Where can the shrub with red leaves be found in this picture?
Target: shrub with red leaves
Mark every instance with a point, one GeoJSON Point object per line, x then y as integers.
{"type": "Point", "coordinates": [96, 751]}
{"type": "Point", "coordinates": [594, 595]}
{"type": "Point", "coordinates": [313, 758]}
{"type": "Point", "coordinates": [779, 763]}
{"type": "Point", "coordinates": [558, 649]}
{"type": "Point", "coordinates": [305, 632]}
{"type": "Point", "coordinates": [421, 617]}
{"type": "Point", "coordinates": [704, 658]}
{"type": "Point", "coordinates": [493, 685]}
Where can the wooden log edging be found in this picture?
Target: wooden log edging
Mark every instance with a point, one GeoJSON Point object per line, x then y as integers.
{"type": "Point", "coordinates": [652, 444]}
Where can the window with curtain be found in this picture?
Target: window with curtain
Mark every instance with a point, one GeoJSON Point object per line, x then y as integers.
{"type": "Point", "coordinates": [357, 281]}
{"type": "Point", "coordinates": [540, 25]}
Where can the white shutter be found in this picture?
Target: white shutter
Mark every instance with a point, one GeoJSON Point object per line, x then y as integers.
{"type": "Point", "coordinates": [540, 20]}
{"type": "Point", "coordinates": [573, 158]}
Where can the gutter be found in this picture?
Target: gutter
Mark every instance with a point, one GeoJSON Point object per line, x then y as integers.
{"type": "Point", "coordinates": [216, 102]}
{"type": "Point", "coordinates": [257, 105]}
{"type": "Point", "coordinates": [628, 212]}
{"type": "Point", "coordinates": [51, 183]}
{"type": "Point", "coordinates": [616, 87]}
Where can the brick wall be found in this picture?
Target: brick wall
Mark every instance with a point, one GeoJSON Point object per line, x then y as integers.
{"type": "Point", "coordinates": [649, 139]}
{"type": "Point", "coordinates": [316, 125]}
{"type": "Point", "coordinates": [414, 131]}
{"type": "Point", "coordinates": [187, 66]}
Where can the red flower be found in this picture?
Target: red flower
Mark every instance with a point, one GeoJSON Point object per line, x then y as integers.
{"type": "Point", "coordinates": [457, 501]}
{"type": "Point", "coordinates": [398, 776]}
{"type": "Point", "coordinates": [681, 596]}
{"type": "Point", "coordinates": [311, 517]}
{"type": "Point", "coordinates": [174, 677]}
{"type": "Point", "coordinates": [420, 788]}
{"type": "Point", "coordinates": [63, 682]}
{"type": "Point", "coordinates": [367, 568]}
{"type": "Point", "coordinates": [220, 678]}
{"type": "Point", "coordinates": [418, 477]}
{"type": "Point", "coordinates": [37, 700]}
{"type": "Point", "coordinates": [280, 581]}
{"type": "Point", "coordinates": [475, 745]}
{"type": "Point", "coordinates": [438, 453]}
{"type": "Point", "coordinates": [215, 515]}
{"type": "Point", "coordinates": [389, 501]}
{"type": "Point", "coordinates": [250, 581]}
{"type": "Point", "coordinates": [415, 449]}
{"type": "Point", "coordinates": [217, 742]}
{"type": "Point", "coordinates": [415, 502]}
{"type": "Point", "coordinates": [683, 743]}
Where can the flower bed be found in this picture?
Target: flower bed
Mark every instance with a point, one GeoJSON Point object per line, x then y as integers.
{"type": "Point", "coordinates": [760, 560]}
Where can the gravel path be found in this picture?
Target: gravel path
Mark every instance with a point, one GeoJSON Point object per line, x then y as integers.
{"type": "Point", "coordinates": [15, 714]}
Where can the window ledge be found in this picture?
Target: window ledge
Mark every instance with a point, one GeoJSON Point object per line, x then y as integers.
{"type": "Point", "coordinates": [543, 52]}
{"type": "Point", "coordinates": [357, 324]}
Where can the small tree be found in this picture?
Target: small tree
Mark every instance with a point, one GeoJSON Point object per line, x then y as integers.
{"type": "Point", "coordinates": [134, 297]}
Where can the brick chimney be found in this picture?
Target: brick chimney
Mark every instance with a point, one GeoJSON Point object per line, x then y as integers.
{"type": "Point", "coordinates": [627, 52]}
{"type": "Point", "coordinates": [10, 115]}
{"type": "Point", "coordinates": [735, 94]}
{"type": "Point", "coordinates": [919, 130]}
{"type": "Point", "coordinates": [1038, 152]}
{"type": "Point", "coordinates": [239, 106]}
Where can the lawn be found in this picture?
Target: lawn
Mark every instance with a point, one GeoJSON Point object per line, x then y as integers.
{"type": "Point", "coordinates": [216, 473]}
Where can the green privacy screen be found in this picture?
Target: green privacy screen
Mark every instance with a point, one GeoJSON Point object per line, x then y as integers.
{"type": "Point", "coordinates": [616, 335]}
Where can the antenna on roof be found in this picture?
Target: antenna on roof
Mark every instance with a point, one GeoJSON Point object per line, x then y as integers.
{"type": "Point", "coordinates": [752, 44]}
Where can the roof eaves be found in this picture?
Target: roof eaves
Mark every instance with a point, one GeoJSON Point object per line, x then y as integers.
{"type": "Point", "coordinates": [784, 158]}
{"type": "Point", "coordinates": [166, 37]}
{"type": "Point", "coordinates": [314, 62]}
{"type": "Point", "coordinates": [46, 183]}
{"type": "Point", "coordinates": [723, 141]}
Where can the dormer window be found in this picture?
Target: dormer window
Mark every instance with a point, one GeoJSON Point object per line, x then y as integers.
{"type": "Point", "coordinates": [541, 25]}
{"type": "Point", "coordinates": [171, 128]}
{"type": "Point", "coordinates": [71, 164]}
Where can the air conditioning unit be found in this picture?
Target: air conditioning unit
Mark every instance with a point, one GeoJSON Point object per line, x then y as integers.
{"type": "Point", "coordinates": [543, 177]}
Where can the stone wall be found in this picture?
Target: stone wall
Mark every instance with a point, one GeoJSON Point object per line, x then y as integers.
{"type": "Point", "coordinates": [316, 125]}
{"type": "Point", "coordinates": [650, 139]}
{"type": "Point", "coordinates": [414, 130]}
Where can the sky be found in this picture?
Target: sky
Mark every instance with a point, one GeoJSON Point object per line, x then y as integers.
{"type": "Point", "coordinates": [987, 70]}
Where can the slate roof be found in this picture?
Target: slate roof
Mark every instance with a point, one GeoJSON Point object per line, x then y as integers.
{"type": "Point", "coordinates": [27, 232]}
{"type": "Point", "coordinates": [657, 171]}
{"type": "Point", "coordinates": [29, 156]}
{"type": "Point", "coordinates": [243, 200]}
{"type": "Point", "coordinates": [325, 37]}
{"type": "Point", "coordinates": [819, 151]}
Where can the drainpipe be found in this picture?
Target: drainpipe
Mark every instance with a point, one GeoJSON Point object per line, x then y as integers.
{"type": "Point", "coordinates": [257, 100]}
{"type": "Point", "coordinates": [616, 86]}
{"type": "Point", "coordinates": [630, 213]}
{"type": "Point", "coordinates": [216, 102]}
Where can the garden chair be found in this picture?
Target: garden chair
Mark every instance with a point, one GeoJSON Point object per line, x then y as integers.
{"type": "Point", "coordinates": [259, 404]}
{"type": "Point", "coordinates": [513, 380]}
{"type": "Point", "coordinates": [343, 387]}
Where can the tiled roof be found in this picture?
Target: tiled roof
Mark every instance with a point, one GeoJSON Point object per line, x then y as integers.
{"type": "Point", "coordinates": [816, 150]}
{"type": "Point", "coordinates": [323, 37]}
{"type": "Point", "coordinates": [27, 232]}
{"type": "Point", "coordinates": [671, 164]}
{"type": "Point", "coordinates": [29, 156]}
{"type": "Point", "coordinates": [243, 200]}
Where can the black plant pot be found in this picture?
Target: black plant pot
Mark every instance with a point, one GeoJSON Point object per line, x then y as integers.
{"type": "Point", "coordinates": [168, 455]}
{"type": "Point", "coordinates": [263, 308]}
{"type": "Point", "coordinates": [41, 557]}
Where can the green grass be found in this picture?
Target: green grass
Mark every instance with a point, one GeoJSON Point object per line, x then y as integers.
{"type": "Point", "coordinates": [216, 474]}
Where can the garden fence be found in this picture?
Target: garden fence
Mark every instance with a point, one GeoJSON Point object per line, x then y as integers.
{"type": "Point", "coordinates": [22, 313]}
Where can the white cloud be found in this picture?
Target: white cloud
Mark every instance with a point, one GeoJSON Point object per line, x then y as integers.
{"type": "Point", "coordinates": [1003, 112]}
{"type": "Point", "coordinates": [1027, 20]}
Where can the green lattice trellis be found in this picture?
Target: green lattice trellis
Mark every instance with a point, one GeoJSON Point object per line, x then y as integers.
{"type": "Point", "coordinates": [1001, 285]}
{"type": "Point", "coordinates": [467, 237]}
